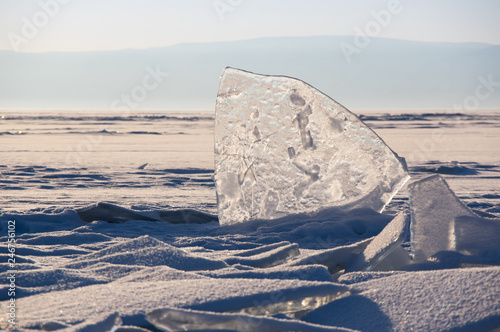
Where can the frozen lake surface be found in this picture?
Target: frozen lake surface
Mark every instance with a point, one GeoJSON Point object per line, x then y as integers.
{"type": "Point", "coordinates": [52, 161]}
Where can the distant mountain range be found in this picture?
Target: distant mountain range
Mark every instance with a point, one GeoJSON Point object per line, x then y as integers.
{"type": "Point", "coordinates": [385, 74]}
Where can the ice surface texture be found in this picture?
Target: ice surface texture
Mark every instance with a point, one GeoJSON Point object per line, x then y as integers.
{"type": "Point", "coordinates": [434, 208]}
{"type": "Point", "coordinates": [477, 236]}
{"type": "Point", "coordinates": [283, 148]}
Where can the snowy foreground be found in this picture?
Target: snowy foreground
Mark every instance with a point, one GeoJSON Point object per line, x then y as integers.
{"type": "Point", "coordinates": [258, 277]}
{"type": "Point", "coordinates": [341, 272]}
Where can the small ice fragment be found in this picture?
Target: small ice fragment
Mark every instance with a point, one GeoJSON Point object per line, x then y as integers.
{"type": "Point", "coordinates": [361, 276]}
{"type": "Point", "coordinates": [335, 259]}
{"type": "Point", "coordinates": [109, 212]}
{"type": "Point", "coordinates": [144, 166]}
{"type": "Point", "coordinates": [192, 320]}
{"type": "Point", "coordinates": [284, 148]}
{"type": "Point", "coordinates": [125, 328]}
{"type": "Point", "coordinates": [383, 245]}
{"type": "Point", "coordinates": [293, 308]}
{"type": "Point", "coordinates": [186, 216]}
{"type": "Point", "coordinates": [294, 303]}
{"type": "Point", "coordinates": [117, 214]}
{"type": "Point", "coordinates": [434, 209]}
{"type": "Point", "coordinates": [53, 326]}
{"type": "Point", "coordinates": [306, 272]}
{"type": "Point", "coordinates": [397, 259]}
{"type": "Point", "coordinates": [477, 236]}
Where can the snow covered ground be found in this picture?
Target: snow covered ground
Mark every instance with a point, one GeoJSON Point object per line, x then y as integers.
{"type": "Point", "coordinates": [192, 273]}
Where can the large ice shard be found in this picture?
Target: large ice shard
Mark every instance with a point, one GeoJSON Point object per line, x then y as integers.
{"type": "Point", "coordinates": [385, 246]}
{"type": "Point", "coordinates": [434, 209]}
{"type": "Point", "coordinates": [284, 148]}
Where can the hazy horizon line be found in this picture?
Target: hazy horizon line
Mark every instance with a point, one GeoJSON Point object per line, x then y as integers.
{"type": "Point", "coordinates": [247, 39]}
{"type": "Point", "coordinates": [380, 110]}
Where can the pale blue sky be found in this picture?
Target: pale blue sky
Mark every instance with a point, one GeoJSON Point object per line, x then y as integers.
{"type": "Point", "coordinates": [87, 25]}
